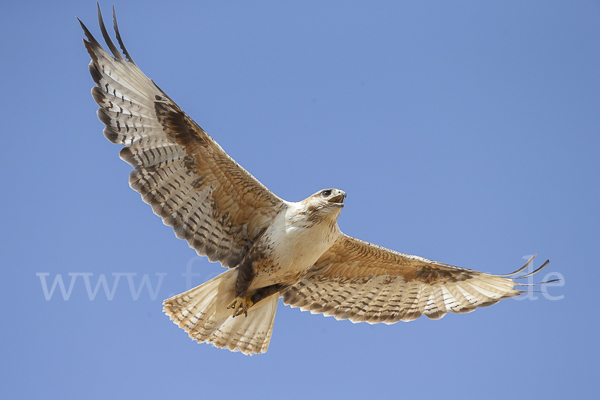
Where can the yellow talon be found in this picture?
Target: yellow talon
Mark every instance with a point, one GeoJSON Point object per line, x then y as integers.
{"type": "Point", "coordinates": [240, 305]}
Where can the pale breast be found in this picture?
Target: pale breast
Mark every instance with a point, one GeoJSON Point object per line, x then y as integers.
{"type": "Point", "coordinates": [292, 245]}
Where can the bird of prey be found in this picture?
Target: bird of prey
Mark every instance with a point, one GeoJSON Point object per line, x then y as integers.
{"type": "Point", "coordinates": [272, 247]}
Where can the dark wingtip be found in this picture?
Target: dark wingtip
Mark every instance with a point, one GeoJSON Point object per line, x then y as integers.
{"type": "Point", "coordinates": [523, 267]}
{"type": "Point", "coordinates": [534, 272]}
{"type": "Point", "coordinates": [95, 73]}
{"type": "Point", "coordinates": [87, 32]}
{"type": "Point", "coordinates": [111, 135]}
{"type": "Point", "coordinates": [107, 38]}
{"type": "Point", "coordinates": [127, 155]}
{"type": "Point", "coordinates": [118, 34]}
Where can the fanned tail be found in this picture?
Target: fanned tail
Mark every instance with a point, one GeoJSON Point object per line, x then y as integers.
{"type": "Point", "coordinates": [202, 312]}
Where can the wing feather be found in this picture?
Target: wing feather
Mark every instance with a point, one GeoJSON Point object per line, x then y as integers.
{"type": "Point", "coordinates": [187, 178]}
{"type": "Point", "coordinates": [360, 281]}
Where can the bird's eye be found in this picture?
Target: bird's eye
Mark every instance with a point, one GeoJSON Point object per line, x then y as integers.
{"type": "Point", "coordinates": [326, 193]}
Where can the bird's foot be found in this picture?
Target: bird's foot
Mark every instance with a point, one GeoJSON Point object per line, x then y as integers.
{"type": "Point", "coordinates": [240, 305]}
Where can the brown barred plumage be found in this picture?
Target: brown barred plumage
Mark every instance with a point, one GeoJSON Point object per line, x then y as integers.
{"type": "Point", "coordinates": [178, 169]}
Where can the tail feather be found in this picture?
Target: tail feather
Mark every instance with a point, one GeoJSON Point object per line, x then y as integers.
{"type": "Point", "coordinates": [250, 334]}
{"type": "Point", "coordinates": [202, 312]}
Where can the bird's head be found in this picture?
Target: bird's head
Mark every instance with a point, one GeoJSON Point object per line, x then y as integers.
{"type": "Point", "coordinates": [324, 205]}
{"type": "Point", "coordinates": [331, 197]}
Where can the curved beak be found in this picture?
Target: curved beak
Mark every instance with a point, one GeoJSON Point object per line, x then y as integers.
{"type": "Point", "coordinates": [339, 199]}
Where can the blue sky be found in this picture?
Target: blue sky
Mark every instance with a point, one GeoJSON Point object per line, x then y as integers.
{"type": "Point", "coordinates": [463, 131]}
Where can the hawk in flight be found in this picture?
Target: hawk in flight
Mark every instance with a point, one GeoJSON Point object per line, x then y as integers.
{"type": "Point", "coordinates": [272, 247]}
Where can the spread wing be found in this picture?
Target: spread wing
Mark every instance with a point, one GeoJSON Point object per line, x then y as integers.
{"type": "Point", "coordinates": [187, 178]}
{"type": "Point", "coordinates": [360, 281]}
